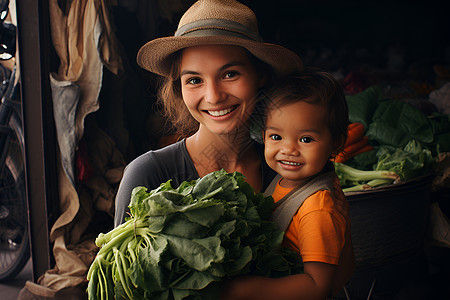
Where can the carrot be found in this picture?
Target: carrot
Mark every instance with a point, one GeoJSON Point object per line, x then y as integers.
{"type": "Point", "coordinates": [352, 125]}
{"type": "Point", "coordinates": [357, 145]}
{"type": "Point", "coordinates": [366, 148]}
{"type": "Point", "coordinates": [344, 155]}
{"type": "Point", "coordinates": [355, 133]}
{"type": "Point", "coordinates": [351, 149]}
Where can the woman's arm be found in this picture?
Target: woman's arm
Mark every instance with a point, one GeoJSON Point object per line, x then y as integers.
{"type": "Point", "coordinates": [315, 283]}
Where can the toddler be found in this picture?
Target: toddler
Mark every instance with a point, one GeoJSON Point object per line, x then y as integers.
{"type": "Point", "coordinates": [306, 126]}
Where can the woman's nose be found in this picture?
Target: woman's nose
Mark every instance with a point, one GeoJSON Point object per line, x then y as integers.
{"type": "Point", "coordinates": [213, 94]}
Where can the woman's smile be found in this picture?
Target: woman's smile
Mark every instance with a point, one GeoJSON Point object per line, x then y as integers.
{"type": "Point", "coordinates": [221, 112]}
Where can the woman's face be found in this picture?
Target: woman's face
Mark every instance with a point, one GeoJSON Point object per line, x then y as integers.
{"type": "Point", "coordinates": [219, 85]}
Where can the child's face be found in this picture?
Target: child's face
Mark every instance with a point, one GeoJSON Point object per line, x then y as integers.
{"type": "Point", "coordinates": [297, 141]}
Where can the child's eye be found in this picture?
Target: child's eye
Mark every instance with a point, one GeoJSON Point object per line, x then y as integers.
{"type": "Point", "coordinates": [194, 81]}
{"type": "Point", "coordinates": [306, 139]}
{"type": "Point", "coordinates": [275, 137]}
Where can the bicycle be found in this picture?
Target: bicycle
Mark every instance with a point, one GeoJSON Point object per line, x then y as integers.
{"type": "Point", "coordinates": [14, 227]}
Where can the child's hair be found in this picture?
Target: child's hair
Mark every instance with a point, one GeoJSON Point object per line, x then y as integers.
{"type": "Point", "coordinates": [172, 100]}
{"type": "Point", "coordinates": [317, 88]}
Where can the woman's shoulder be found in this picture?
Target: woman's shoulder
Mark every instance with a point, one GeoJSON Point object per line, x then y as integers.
{"type": "Point", "coordinates": [168, 154]}
{"type": "Point", "coordinates": [171, 162]}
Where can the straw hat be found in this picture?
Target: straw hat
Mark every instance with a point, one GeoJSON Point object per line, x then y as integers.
{"type": "Point", "coordinates": [209, 22]}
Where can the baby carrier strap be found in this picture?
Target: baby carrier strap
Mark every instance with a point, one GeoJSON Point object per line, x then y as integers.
{"type": "Point", "coordinates": [287, 207]}
{"type": "Point", "coordinates": [272, 185]}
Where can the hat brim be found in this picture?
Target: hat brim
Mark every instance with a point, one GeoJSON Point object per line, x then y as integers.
{"type": "Point", "coordinates": [153, 56]}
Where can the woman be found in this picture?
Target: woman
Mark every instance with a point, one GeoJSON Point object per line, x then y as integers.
{"type": "Point", "coordinates": [215, 67]}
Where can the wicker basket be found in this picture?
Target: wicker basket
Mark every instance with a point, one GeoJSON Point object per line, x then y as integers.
{"type": "Point", "coordinates": [388, 230]}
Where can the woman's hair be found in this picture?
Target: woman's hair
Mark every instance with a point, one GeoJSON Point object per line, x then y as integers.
{"type": "Point", "coordinates": [317, 88]}
{"type": "Point", "coordinates": [171, 98]}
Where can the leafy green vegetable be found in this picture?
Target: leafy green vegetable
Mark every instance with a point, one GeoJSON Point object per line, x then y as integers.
{"type": "Point", "coordinates": [409, 162]}
{"type": "Point", "coordinates": [406, 141]}
{"type": "Point", "coordinates": [395, 123]}
{"type": "Point", "coordinates": [362, 106]}
{"type": "Point", "coordinates": [181, 242]}
{"type": "Point", "coordinates": [357, 179]}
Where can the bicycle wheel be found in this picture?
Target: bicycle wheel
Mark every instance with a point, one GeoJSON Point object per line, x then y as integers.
{"type": "Point", "coordinates": [14, 238]}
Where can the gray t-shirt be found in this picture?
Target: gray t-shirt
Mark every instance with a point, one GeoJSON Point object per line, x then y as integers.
{"type": "Point", "coordinates": [158, 166]}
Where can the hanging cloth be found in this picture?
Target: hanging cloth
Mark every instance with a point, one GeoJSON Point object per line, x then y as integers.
{"type": "Point", "coordinates": [84, 41]}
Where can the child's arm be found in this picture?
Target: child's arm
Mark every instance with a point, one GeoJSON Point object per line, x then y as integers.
{"type": "Point", "coordinates": [315, 283]}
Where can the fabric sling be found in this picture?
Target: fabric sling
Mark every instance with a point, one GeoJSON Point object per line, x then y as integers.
{"type": "Point", "coordinates": [287, 207]}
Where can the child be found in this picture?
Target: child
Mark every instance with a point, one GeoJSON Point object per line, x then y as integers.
{"type": "Point", "coordinates": [306, 125]}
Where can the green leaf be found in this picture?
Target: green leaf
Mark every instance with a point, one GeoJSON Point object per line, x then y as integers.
{"type": "Point", "coordinates": [225, 229]}
{"type": "Point", "coordinates": [138, 195]}
{"type": "Point", "coordinates": [214, 183]}
{"type": "Point", "coordinates": [145, 271]}
{"type": "Point", "coordinates": [206, 216]}
{"type": "Point", "coordinates": [186, 187]}
{"type": "Point", "coordinates": [409, 162]}
{"type": "Point", "coordinates": [362, 106]}
{"type": "Point", "coordinates": [197, 253]}
{"type": "Point", "coordinates": [386, 134]}
{"type": "Point", "coordinates": [181, 226]}
{"type": "Point", "coordinates": [395, 123]}
{"type": "Point", "coordinates": [156, 223]}
{"type": "Point", "coordinates": [234, 266]}
{"type": "Point", "coordinates": [264, 205]}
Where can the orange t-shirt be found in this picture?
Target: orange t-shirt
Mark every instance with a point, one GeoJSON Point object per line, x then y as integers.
{"type": "Point", "coordinates": [317, 231]}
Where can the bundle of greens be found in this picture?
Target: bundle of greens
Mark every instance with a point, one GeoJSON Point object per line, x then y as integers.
{"type": "Point", "coordinates": [395, 123]}
{"type": "Point", "coordinates": [384, 166]}
{"type": "Point", "coordinates": [405, 141]}
{"type": "Point", "coordinates": [181, 242]}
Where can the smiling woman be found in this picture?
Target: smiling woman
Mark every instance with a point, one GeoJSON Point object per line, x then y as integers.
{"type": "Point", "coordinates": [213, 67]}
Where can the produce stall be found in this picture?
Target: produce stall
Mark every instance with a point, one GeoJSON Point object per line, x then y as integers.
{"type": "Point", "coordinates": [393, 61]}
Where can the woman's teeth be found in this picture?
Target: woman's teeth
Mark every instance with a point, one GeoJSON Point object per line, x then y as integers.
{"type": "Point", "coordinates": [219, 113]}
{"type": "Point", "coordinates": [290, 163]}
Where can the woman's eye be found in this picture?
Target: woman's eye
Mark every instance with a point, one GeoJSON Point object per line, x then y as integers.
{"type": "Point", "coordinates": [306, 139]}
{"type": "Point", "coordinates": [275, 137]}
{"type": "Point", "coordinates": [193, 81]}
{"type": "Point", "coordinates": [230, 74]}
